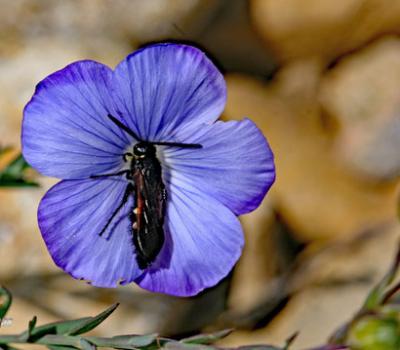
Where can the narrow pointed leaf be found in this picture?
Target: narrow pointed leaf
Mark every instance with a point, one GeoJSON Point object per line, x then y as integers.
{"type": "Point", "coordinates": [85, 345]}
{"type": "Point", "coordinates": [27, 335]}
{"type": "Point", "coordinates": [332, 347]}
{"type": "Point", "coordinates": [72, 327]}
{"type": "Point", "coordinates": [259, 347]}
{"type": "Point", "coordinates": [16, 167]}
{"type": "Point", "coordinates": [61, 327]}
{"type": "Point", "coordinates": [32, 324]}
{"type": "Point", "coordinates": [207, 338]}
{"type": "Point", "coordinates": [64, 340]}
{"type": "Point", "coordinates": [5, 339]}
{"type": "Point", "coordinates": [5, 302]}
{"type": "Point", "coordinates": [377, 294]}
{"type": "Point", "coordinates": [124, 341]}
{"type": "Point", "coordinates": [175, 345]}
{"type": "Point", "coordinates": [8, 347]}
{"type": "Point", "coordinates": [290, 340]}
{"type": "Point", "coordinates": [11, 182]}
{"type": "Point", "coordinates": [60, 347]}
{"type": "Point", "coordinates": [391, 293]}
{"type": "Point", "coordinates": [13, 174]}
{"type": "Point", "coordinates": [86, 326]}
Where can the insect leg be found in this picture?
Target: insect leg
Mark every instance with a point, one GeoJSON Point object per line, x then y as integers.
{"type": "Point", "coordinates": [129, 190]}
{"type": "Point", "coordinates": [126, 156]}
{"type": "Point", "coordinates": [122, 172]}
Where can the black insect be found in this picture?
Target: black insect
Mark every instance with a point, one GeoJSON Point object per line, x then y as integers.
{"type": "Point", "coordinates": [150, 196]}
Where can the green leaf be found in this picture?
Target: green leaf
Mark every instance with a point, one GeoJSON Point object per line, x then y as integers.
{"type": "Point", "coordinates": [7, 182]}
{"type": "Point", "coordinates": [60, 340]}
{"type": "Point", "coordinates": [124, 341]}
{"type": "Point", "coordinates": [176, 345]}
{"type": "Point", "coordinates": [5, 302]}
{"type": "Point", "coordinates": [5, 339]}
{"type": "Point", "coordinates": [375, 333]}
{"type": "Point", "coordinates": [8, 347]}
{"type": "Point", "coordinates": [93, 322]}
{"type": "Point", "coordinates": [207, 338]}
{"type": "Point", "coordinates": [258, 347]}
{"type": "Point", "coordinates": [13, 174]}
{"type": "Point", "coordinates": [377, 295]}
{"type": "Point", "coordinates": [72, 327]}
{"type": "Point", "coordinates": [26, 336]}
{"type": "Point", "coordinates": [16, 167]}
{"type": "Point", "coordinates": [32, 324]}
{"type": "Point", "coordinates": [290, 340]}
{"type": "Point", "coordinates": [85, 345]}
{"type": "Point", "coordinates": [61, 327]}
{"type": "Point", "coordinates": [60, 347]}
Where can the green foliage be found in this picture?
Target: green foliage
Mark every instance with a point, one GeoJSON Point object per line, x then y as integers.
{"type": "Point", "coordinates": [69, 335]}
{"type": "Point", "coordinates": [382, 291]}
{"type": "Point", "coordinates": [376, 326]}
{"type": "Point", "coordinates": [207, 338]}
{"type": "Point", "coordinates": [13, 174]}
{"type": "Point", "coordinates": [5, 302]}
{"type": "Point", "coordinates": [374, 333]}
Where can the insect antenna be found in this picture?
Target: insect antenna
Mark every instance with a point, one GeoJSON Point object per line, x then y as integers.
{"type": "Point", "coordinates": [178, 144]}
{"type": "Point", "coordinates": [123, 127]}
{"type": "Point", "coordinates": [159, 143]}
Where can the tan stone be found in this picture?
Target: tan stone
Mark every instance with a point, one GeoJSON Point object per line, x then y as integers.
{"type": "Point", "coordinates": [87, 20]}
{"type": "Point", "coordinates": [315, 194]}
{"type": "Point", "coordinates": [361, 94]}
{"type": "Point", "coordinates": [21, 70]}
{"type": "Point", "coordinates": [257, 265]}
{"type": "Point", "coordinates": [20, 314]}
{"type": "Point", "coordinates": [322, 28]}
{"type": "Point", "coordinates": [334, 284]}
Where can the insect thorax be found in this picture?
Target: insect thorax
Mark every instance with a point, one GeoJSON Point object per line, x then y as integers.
{"type": "Point", "coordinates": [144, 149]}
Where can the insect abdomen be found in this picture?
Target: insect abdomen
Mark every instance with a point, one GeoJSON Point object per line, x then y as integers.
{"type": "Point", "coordinates": [148, 216]}
{"type": "Point", "coordinates": [148, 245]}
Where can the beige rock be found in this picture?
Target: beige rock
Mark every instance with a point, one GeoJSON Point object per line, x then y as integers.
{"type": "Point", "coordinates": [22, 249]}
{"type": "Point", "coordinates": [361, 94]}
{"type": "Point", "coordinates": [20, 314]}
{"type": "Point", "coordinates": [339, 278]}
{"type": "Point", "coordinates": [86, 20]}
{"type": "Point", "coordinates": [258, 263]}
{"type": "Point", "coordinates": [315, 194]}
{"type": "Point", "coordinates": [322, 28]}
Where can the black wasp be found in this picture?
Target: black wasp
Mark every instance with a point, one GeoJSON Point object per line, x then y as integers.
{"type": "Point", "coordinates": [145, 184]}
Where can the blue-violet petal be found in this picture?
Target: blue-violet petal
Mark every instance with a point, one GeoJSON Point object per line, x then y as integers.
{"type": "Point", "coordinates": [164, 87]}
{"type": "Point", "coordinates": [204, 240]}
{"type": "Point", "coordinates": [72, 214]}
{"type": "Point", "coordinates": [235, 165]}
{"type": "Point", "coordinates": [65, 131]}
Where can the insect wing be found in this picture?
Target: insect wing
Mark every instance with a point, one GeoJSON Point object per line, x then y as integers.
{"type": "Point", "coordinates": [150, 199]}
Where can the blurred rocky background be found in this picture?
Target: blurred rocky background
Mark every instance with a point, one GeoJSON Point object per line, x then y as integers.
{"type": "Point", "coordinates": [321, 78]}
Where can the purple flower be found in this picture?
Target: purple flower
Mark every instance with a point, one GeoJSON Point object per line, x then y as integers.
{"type": "Point", "coordinates": [167, 221]}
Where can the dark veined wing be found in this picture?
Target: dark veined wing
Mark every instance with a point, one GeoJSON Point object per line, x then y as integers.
{"type": "Point", "coordinates": [150, 210]}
